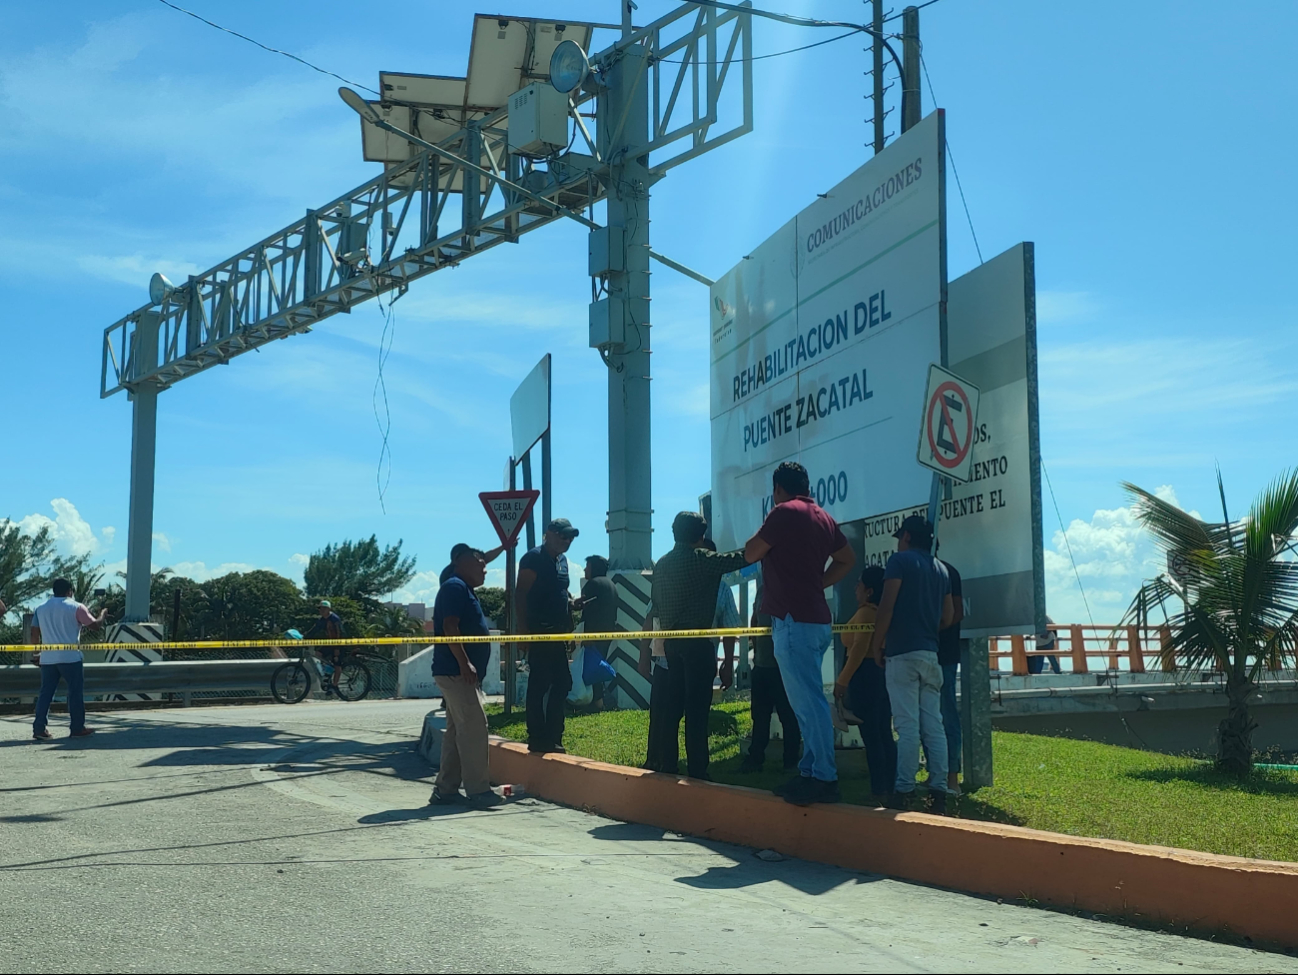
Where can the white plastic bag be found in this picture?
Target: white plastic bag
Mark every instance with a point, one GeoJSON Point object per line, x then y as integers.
{"type": "Point", "coordinates": [582, 693]}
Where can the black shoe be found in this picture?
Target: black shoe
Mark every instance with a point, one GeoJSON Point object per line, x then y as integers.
{"type": "Point", "coordinates": [41, 736]}
{"type": "Point", "coordinates": [439, 798]}
{"type": "Point", "coordinates": [937, 803]}
{"type": "Point", "coordinates": [816, 790]}
{"type": "Point", "coordinates": [751, 764]}
{"type": "Point", "coordinates": [484, 800]}
{"type": "Point", "coordinates": [797, 786]}
{"type": "Point", "coordinates": [790, 764]}
{"type": "Point", "coordinates": [901, 801]}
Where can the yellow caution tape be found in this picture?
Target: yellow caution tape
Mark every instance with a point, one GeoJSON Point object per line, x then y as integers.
{"type": "Point", "coordinates": [429, 639]}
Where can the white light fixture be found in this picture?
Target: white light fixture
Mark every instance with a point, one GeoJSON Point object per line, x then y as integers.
{"type": "Point", "coordinates": [359, 105]}
{"type": "Point", "coordinates": [160, 289]}
{"type": "Point", "coordinates": [568, 66]}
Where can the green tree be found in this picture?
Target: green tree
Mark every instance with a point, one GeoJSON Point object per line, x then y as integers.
{"type": "Point", "coordinates": [85, 579]}
{"type": "Point", "coordinates": [28, 563]}
{"type": "Point", "coordinates": [393, 621]}
{"type": "Point", "coordinates": [354, 615]}
{"type": "Point", "coordinates": [251, 606]}
{"type": "Point", "coordinates": [358, 570]}
{"type": "Point", "coordinates": [195, 606]}
{"type": "Point", "coordinates": [1239, 598]}
{"type": "Point", "coordinates": [492, 599]}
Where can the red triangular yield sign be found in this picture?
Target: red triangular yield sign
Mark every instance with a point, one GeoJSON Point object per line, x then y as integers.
{"type": "Point", "coordinates": [508, 511]}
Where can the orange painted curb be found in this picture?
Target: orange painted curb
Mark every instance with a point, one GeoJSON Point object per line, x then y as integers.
{"type": "Point", "coordinates": [1204, 891]}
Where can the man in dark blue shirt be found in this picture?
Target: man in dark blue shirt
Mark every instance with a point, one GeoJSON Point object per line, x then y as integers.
{"type": "Point", "coordinates": [916, 605]}
{"type": "Point", "coordinates": [458, 669]}
{"type": "Point", "coordinates": [543, 604]}
{"type": "Point", "coordinates": [331, 624]}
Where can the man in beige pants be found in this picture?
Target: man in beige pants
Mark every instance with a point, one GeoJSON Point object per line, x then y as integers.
{"type": "Point", "coordinates": [458, 669]}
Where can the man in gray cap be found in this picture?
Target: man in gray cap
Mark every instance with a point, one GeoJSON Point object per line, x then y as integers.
{"type": "Point", "coordinates": [543, 604]}
{"type": "Point", "coordinates": [915, 605]}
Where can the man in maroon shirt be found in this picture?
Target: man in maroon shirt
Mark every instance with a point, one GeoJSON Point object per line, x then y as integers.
{"type": "Point", "coordinates": [803, 552]}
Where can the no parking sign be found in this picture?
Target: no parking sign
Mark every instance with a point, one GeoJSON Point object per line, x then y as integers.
{"type": "Point", "coordinates": [949, 425]}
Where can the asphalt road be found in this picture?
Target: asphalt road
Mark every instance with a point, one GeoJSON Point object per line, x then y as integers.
{"type": "Point", "coordinates": [295, 839]}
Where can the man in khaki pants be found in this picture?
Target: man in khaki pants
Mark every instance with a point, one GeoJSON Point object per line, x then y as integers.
{"type": "Point", "coordinates": [458, 670]}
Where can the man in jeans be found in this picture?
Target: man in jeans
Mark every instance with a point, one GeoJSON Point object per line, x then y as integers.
{"type": "Point", "coordinates": [458, 669]}
{"type": "Point", "coordinates": [544, 605]}
{"type": "Point", "coordinates": [769, 695]}
{"type": "Point", "coordinates": [795, 543]}
{"type": "Point", "coordinates": [59, 620]}
{"type": "Point", "coordinates": [684, 596]}
{"type": "Point", "coordinates": [916, 604]}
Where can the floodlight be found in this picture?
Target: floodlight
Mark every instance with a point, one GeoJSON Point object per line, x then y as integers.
{"type": "Point", "coordinates": [568, 66]}
{"type": "Point", "coordinates": [359, 105]}
{"type": "Point", "coordinates": [160, 289]}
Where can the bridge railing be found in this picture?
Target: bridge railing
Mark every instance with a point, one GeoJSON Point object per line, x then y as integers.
{"type": "Point", "coordinates": [1082, 649]}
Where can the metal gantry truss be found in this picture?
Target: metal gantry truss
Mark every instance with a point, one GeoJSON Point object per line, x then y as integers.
{"type": "Point", "coordinates": [403, 224]}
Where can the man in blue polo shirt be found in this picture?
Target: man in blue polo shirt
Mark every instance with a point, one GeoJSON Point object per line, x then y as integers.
{"type": "Point", "coordinates": [916, 605]}
{"type": "Point", "coordinates": [458, 669]}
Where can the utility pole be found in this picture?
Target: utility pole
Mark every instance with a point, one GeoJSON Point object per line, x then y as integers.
{"type": "Point", "coordinates": [624, 132]}
{"type": "Point", "coordinates": [911, 103]}
{"type": "Point", "coordinates": [144, 435]}
{"type": "Point", "coordinates": [877, 50]}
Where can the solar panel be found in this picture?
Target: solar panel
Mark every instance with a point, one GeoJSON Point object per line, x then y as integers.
{"type": "Point", "coordinates": [509, 53]}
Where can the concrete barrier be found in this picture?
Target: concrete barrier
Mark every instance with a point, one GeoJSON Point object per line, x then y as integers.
{"type": "Point", "coordinates": [415, 675]}
{"type": "Point", "coordinates": [1198, 891]}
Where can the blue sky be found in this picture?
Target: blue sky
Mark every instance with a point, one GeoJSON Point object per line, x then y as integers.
{"type": "Point", "coordinates": [1149, 163]}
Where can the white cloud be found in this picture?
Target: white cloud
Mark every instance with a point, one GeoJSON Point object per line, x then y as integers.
{"type": "Point", "coordinates": [1114, 555]}
{"type": "Point", "coordinates": [298, 558]}
{"type": "Point", "coordinates": [162, 542]}
{"type": "Point", "coordinates": [72, 534]}
{"type": "Point", "coordinates": [201, 572]}
{"type": "Point", "coordinates": [109, 533]}
{"type": "Point", "coordinates": [422, 588]}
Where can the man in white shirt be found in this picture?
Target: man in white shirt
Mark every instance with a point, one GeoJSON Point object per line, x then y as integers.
{"type": "Point", "coordinates": [59, 620]}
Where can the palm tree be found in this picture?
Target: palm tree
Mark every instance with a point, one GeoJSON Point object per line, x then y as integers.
{"type": "Point", "coordinates": [1238, 597]}
{"type": "Point", "coordinates": [393, 621]}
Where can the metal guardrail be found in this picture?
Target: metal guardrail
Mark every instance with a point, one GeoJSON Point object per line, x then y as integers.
{"type": "Point", "coordinates": [1083, 649]}
{"type": "Point", "coordinates": [183, 677]}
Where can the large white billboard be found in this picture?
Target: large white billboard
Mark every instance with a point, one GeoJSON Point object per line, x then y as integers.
{"type": "Point", "coordinates": [990, 526]}
{"type": "Point", "coordinates": [822, 339]}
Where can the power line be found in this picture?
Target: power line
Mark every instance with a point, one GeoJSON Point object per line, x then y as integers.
{"type": "Point", "coordinates": [918, 6]}
{"type": "Point", "coordinates": [272, 50]}
{"type": "Point", "coordinates": [808, 22]}
{"type": "Point", "coordinates": [786, 18]}
{"type": "Point", "coordinates": [950, 156]}
{"type": "Point", "coordinates": [776, 54]}
{"type": "Point", "coordinates": [1067, 544]}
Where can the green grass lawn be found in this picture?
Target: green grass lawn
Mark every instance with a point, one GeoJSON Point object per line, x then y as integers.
{"type": "Point", "coordinates": [1078, 787]}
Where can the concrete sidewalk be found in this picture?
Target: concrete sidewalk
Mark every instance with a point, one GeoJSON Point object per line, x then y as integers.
{"type": "Point", "coordinates": [295, 839]}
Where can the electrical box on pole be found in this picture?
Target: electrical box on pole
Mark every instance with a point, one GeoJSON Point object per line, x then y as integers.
{"type": "Point", "coordinates": [538, 120]}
